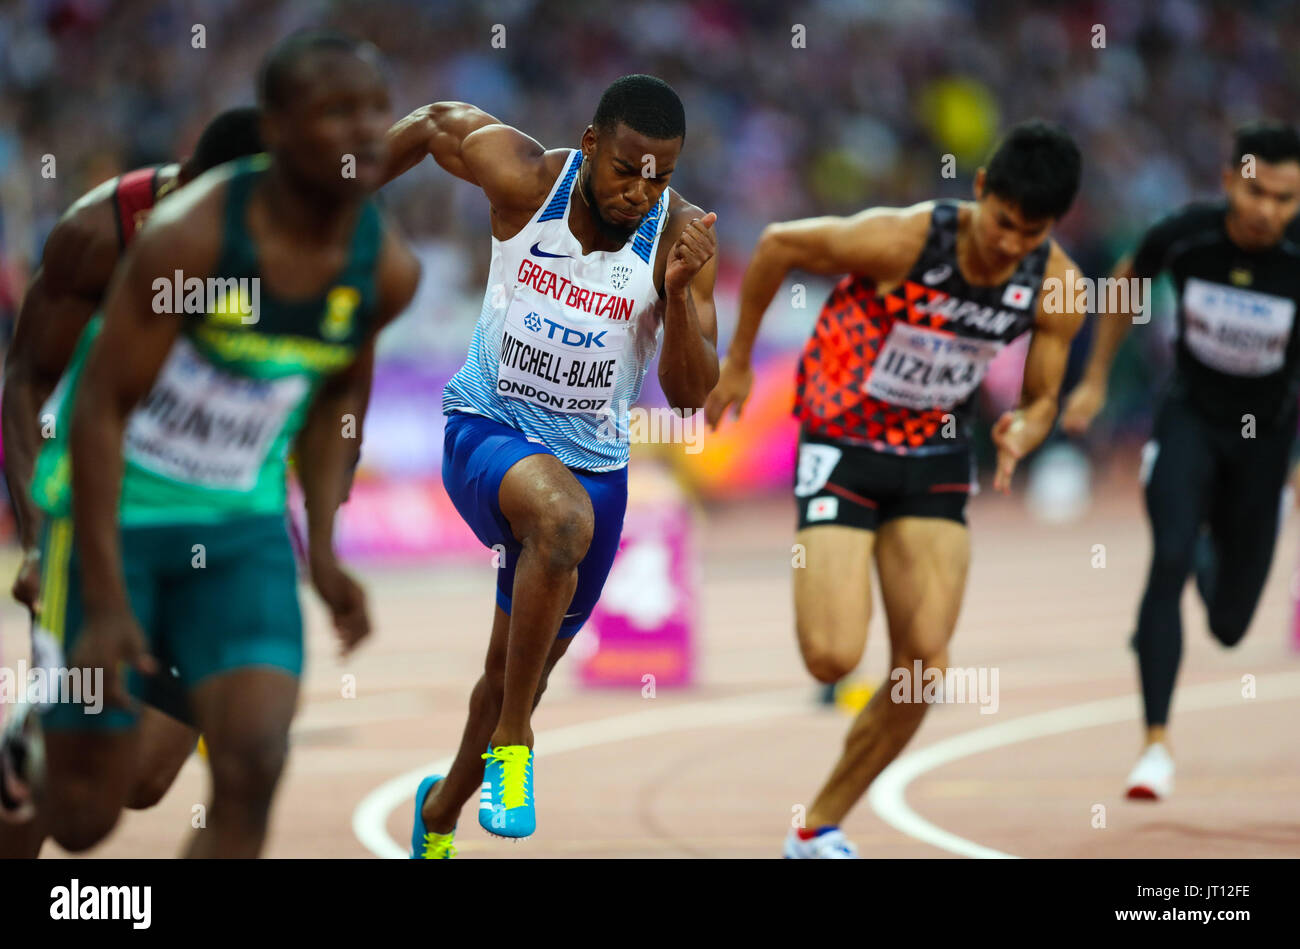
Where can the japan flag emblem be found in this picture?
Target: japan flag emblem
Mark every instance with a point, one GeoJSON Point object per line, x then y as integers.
{"type": "Point", "coordinates": [1017, 295]}
{"type": "Point", "coordinates": [823, 509]}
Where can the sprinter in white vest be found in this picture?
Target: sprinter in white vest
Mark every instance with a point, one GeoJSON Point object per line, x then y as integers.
{"type": "Point", "coordinates": [596, 262]}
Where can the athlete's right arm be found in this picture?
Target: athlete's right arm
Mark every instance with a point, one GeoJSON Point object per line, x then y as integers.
{"type": "Point", "coordinates": [510, 167]}
{"type": "Point", "coordinates": [879, 243]}
{"type": "Point", "coordinates": [76, 265]}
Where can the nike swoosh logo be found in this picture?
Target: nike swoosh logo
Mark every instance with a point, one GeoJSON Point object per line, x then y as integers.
{"type": "Point", "coordinates": [541, 253]}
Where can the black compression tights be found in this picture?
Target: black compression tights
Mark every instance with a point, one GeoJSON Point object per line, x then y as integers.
{"type": "Point", "coordinates": [1212, 477]}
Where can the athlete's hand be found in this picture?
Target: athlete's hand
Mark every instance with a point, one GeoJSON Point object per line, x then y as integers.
{"type": "Point", "coordinates": [112, 641]}
{"type": "Point", "coordinates": [345, 598]}
{"type": "Point", "coordinates": [1082, 407]}
{"type": "Point", "coordinates": [694, 248]}
{"type": "Point", "coordinates": [1011, 436]}
{"type": "Point", "coordinates": [734, 384]}
{"type": "Point", "coordinates": [27, 585]}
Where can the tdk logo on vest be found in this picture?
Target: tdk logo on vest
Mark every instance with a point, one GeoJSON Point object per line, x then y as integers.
{"type": "Point", "coordinates": [567, 335]}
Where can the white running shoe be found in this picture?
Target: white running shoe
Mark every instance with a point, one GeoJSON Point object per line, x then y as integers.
{"type": "Point", "coordinates": [1152, 778]}
{"type": "Point", "coordinates": [829, 844]}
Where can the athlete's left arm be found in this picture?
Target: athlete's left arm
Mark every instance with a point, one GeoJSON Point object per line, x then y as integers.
{"type": "Point", "coordinates": [328, 446]}
{"type": "Point", "coordinates": [1020, 431]}
{"type": "Point", "coordinates": [688, 365]}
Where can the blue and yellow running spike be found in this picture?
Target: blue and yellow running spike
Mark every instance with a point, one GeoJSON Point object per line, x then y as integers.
{"type": "Point", "coordinates": [427, 844]}
{"type": "Point", "coordinates": [505, 807]}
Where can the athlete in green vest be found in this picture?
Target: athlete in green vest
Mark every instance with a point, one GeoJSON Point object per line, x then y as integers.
{"type": "Point", "coordinates": [243, 323]}
{"type": "Point", "coordinates": [77, 265]}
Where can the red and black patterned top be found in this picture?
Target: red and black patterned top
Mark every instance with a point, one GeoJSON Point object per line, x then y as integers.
{"type": "Point", "coordinates": [133, 199]}
{"type": "Point", "coordinates": [887, 370]}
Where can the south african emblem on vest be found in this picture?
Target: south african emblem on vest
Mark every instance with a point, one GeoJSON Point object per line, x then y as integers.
{"type": "Point", "coordinates": [340, 305]}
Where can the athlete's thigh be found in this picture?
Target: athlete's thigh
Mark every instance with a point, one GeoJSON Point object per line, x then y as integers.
{"type": "Point", "coordinates": [246, 712]}
{"type": "Point", "coordinates": [832, 587]}
{"type": "Point", "coordinates": [1180, 480]}
{"type": "Point", "coordinates": [1244, 517]}
{"type": "Point", "coordinates": [235, 609]}
{"type": "Point", "coordinates": [922, 563]}
{"type": "Point", "coordinates": [538, 488]}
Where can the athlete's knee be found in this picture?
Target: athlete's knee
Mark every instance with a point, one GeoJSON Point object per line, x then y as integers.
{"type": "Point", "coordinates": [563, 532]}
{"type": "Point", "coordinates": [1170, 566]}
{"type": "Point", "coordinates": [246, 768]}
{"type": "Point", "coordinates": [148, 790]}
{"type": "Point", "coordinates": [79, 815]}
{"type": "Point", "coordinates": [829, 661]}
{"type": "Point", "coordinates": [1229, 630]}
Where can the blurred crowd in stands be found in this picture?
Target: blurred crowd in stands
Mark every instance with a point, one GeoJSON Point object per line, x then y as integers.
{"type": "Point", "coordinates": [793, 108]}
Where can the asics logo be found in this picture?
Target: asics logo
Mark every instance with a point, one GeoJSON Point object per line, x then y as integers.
{"type": "Point", "coordinates": [937, 274]}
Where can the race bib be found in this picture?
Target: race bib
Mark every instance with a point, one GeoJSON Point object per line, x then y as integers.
{"type": "Point", "coordinates": [206, 427]}
{"type": "Point", "coordinates": [816, 462]}
{"type": "Point", "coordinates": [1240, 332]}
{"type": "Point", "coordinates": [921, 368]}
{"type": "Point", "coordinates": [557, 358]}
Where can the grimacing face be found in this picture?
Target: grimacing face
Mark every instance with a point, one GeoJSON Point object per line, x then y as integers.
{"type": "Point", "coordinates": [1261, 207]}
{"type": "Point", "coordinates": [1003, 235]}
{"type": "Point", "coordinates": [338, 107]}
{"type": "Point", "coordinates": [615, 179]}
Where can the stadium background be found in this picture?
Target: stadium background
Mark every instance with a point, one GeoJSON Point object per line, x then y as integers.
{"type": "Point", "coordinates": [862, 116]}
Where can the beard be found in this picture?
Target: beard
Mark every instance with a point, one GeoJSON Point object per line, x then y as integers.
{"type": "Point", "coordinates": [608, 229]}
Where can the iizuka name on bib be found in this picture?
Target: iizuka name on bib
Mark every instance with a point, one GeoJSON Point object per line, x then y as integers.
{"type": "Point", "coordinates": [921, 368]}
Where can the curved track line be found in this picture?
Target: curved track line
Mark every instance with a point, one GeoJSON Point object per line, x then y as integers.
{"type": "Point", "coordinates": [370, 819]}
{"type": "Point", "coordinates": [887, 793]}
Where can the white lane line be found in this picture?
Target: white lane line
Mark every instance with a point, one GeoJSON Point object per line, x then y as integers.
{"type": "Point", "coordinates": [887, 793]}
{"type": "Point", "coordinates": [370, 819]}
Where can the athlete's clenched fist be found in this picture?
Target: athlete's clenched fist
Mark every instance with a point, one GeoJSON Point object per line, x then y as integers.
{"type": "Point", "coordinates": [694, 248]}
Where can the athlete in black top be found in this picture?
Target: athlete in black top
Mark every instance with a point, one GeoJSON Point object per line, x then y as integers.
{"type": "Point", "coordinates": [1224, 432]}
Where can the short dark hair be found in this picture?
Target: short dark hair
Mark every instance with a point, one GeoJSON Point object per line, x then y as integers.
{"type": "Point", "coordinates": [275, 77]}
{"type": "Point", "coordinates": [232, 134]}
{"type": "Point", "coordinates": [644, 104]}
{"type": "Point", "coordinates": [1267, 141]}
{"type": "Point", "coordinates": [1037, 168]}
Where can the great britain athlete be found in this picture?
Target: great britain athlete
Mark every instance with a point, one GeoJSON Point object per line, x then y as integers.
{"type": "Point", "coordinates": [595, 262]}
{"type": "Point", "coordinates": [884, 387]}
